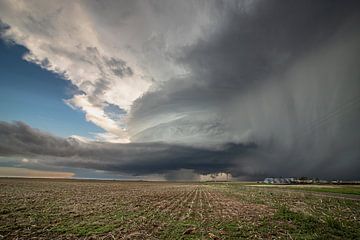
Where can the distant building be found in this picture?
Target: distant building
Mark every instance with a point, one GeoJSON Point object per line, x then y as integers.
{"type": "Point", "coordinates": [305, 180]}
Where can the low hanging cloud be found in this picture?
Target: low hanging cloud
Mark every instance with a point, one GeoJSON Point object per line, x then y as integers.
{"type": "Point", "coordinates": [248, 161]}
{"type": "Point", "coordinates": [253, 88]}
{"type": "Point", "coordinates": [19, 139]}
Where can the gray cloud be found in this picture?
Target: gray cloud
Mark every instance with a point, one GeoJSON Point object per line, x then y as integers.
{"type": "Point", "coordinates": [20, 139]}
{"type": "Point", "coordinates": [181, 175]}
{"type": "Point", "coordinates": [282, 75]}
{"type": "Point", "coordinates": [250, 50]}
{"type": "Point", "coordinates": [119, 67]}
{"type": "Point", "coordinates": [174, 162]}
{"type": "Point", "coordinates": [134, 158]}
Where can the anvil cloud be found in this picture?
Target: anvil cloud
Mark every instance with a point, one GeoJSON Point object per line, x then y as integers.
{"type": "Point", "coordinates": [253, 88]}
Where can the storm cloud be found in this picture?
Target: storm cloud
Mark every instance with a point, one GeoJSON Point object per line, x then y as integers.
{"type": "Point", "coordinates": [253, 88]}
{"type": "Point", "coordinates": [283, 75]}
{"type": "Point", "coordinates": [140, 159]}
{"type": "Point", "coordinates": [133, 158]}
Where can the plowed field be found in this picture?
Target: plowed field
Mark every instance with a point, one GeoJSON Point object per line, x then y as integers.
{"type": "Point", "coordinates": [74, 209]}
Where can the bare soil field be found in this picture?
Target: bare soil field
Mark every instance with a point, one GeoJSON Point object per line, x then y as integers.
{"type": "Point", "coordinates": [81, 209]}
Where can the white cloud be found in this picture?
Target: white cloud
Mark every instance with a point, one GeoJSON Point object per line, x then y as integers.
{"type": "Point", "coordinates": [112, 52]}
{"type": "Point", "coordinates": [29, 160]}
{"type": "Point", "coordinates": [216, 177]}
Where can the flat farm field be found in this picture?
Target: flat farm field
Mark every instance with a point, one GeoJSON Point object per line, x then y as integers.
{"type": "Point", "coordinates": [81, 209]}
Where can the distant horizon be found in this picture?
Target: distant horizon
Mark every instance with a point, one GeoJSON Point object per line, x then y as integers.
{"type": "Point", "coordinates": [329, 181]}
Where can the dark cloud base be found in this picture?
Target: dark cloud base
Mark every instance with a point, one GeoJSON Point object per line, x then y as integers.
{"type": "Point", "coordinates": [248, 161]}
{"type": "Point", "coordinates": [19, 139]}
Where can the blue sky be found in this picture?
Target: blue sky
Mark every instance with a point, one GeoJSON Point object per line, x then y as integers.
{"type": "Point", "coordinates": [33, 95]}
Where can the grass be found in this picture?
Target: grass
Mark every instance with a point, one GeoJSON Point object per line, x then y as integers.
{"type": "Point", "coordinates": [341, 190]}
{"type": "Point", "coordinates": [85, 229]}
{"type": "Point", "coordinates": [302, 226]}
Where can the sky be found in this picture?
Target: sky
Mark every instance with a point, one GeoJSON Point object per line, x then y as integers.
{"type": "Point", "coordinates": [35, 96]}
{"type": "Point", "coordinates": [180, 90]}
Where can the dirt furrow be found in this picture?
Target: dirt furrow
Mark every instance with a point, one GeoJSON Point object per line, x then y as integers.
{"type": "Point", "coordinates": [185, 207]}
{"type": "Point", "coordinates": [207, 206]}
{"type": "Point", "coordinates": [180, 197]}
{"type": "Point", "coordinates": [201, 205]}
